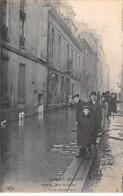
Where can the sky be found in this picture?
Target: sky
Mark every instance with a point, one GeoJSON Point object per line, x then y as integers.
{"type": "Point", "coordinates": [105, 16]}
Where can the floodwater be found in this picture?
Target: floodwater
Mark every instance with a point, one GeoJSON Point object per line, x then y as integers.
{"type": "Point", "coordinates": [37, 151]}
{"type": "Point", "coordinates": [106, 174]}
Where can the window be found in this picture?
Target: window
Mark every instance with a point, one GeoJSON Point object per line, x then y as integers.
{"type": "Point", "coordinates": [67, 52]}
{"type": "Point", "coordinates": [62, 83]}
{"type": "Point", "coordinates": [22, 26]}
{"type": "Point", "coordinates": [59, 47]}
{"type": "Point", "coordinates": [22, 33]}
{"type": "Point", "coordinates": [21, 85]}
{"type": "Point", "coordinates": [5, 19]}
{"type": "Point", "coordinates": [52, 52]}
{"type": "Point", "coordinates": [79, 64]}
{"type": "Point", "coordinates": [3, 74]}
{"type": "Point", "coordinates": [72, 55]}
{"type": "Point", "coordinates": [75, 59]}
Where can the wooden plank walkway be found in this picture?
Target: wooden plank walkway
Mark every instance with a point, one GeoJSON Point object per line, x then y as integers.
{"type": "Point", "coordinates": [75, 176]}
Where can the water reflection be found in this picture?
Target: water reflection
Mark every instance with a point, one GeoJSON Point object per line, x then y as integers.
{"type": "Point", "coordinates": [29, 156]}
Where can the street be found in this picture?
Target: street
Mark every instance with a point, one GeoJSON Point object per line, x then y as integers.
{"type": "Point", "coordinates": [35, 155]}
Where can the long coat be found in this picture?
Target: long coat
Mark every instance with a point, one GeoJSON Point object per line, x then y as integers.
{"type": "Point", "coordinates": [79, 109]}
{"type": "Point", "coordinates": [108, 100]}
{"type": "Point", "coordinates": [85, 128]}
{"type": "Point", "coordinates": [97, 115]}
{"type": "Point", "coordinates": [104, 108]}
{"type": "Point", "coordinates": [113, 105]}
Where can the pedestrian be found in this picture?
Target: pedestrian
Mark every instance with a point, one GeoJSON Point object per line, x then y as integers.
{"type": "Point", "coordinates": [104, 94]}
{"type": "Point", "coordinates": [95, 109]}
{"type": "Point", "coordinates": [104, 109]}
{"type": "Point", "coordinates": [85, 127]}
{"type": "Point", "coordinates": [79, 106]}
{"type": "Point", "coordinates": [108, 100]}
{"type": "Point", "coordinates": [113, 103]}
{"type": "Point", "coordinates": [98, 96]}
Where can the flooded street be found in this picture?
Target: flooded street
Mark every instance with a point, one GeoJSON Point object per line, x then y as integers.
{"type": "Point", "coordinates": [35, 154]}
{"type": "Point", "coordinates": [38, 151]}
{"type": "Point", "coordinates": [106, 174]}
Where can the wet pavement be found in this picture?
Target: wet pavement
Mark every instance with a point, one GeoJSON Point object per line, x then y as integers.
{"type": "Point", "coordinates": [106, 173]}
{"type": "Point", "coordinates": [37, 152]}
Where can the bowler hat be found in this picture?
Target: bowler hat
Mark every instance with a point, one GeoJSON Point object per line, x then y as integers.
{"type": "Point", "coordinates": [93, 93]}
{"type": "Point", "coordinates": [86, 107]}
{"type": "Point", "coordinates": [76, 95]}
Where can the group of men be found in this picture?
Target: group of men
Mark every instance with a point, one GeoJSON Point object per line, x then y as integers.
{"type": "Point", "coordinates": [91, 118]}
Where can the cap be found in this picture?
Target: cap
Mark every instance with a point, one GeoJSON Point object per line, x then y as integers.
{"type": "Point", "coordinates": [76, 95]}
{"type": "Point", "coordinates": [93, 93]}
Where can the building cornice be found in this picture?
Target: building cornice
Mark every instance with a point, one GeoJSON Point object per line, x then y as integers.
{"type": "Point", "coordinates": [60, 21]}
{"type": "Point", "coordinates": [26, 55]}
{"type": "Point", "coordinates": [84, 40]}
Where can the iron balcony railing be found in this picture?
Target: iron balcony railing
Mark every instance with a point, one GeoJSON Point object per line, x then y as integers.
{"type": "Point", "coordinates": [4, 32]}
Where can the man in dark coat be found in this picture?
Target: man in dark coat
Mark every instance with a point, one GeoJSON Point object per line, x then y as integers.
{"type": "Point", "coordinates": [108, 100]}
{"type": "Point", "coordinates": [95, 108]}
{"type": "Point", "coordinates": [113, 103]}
{"type": "Point", "coordinates": [79, 107]}
{"type": "Point", "coordinates": [85, 128]}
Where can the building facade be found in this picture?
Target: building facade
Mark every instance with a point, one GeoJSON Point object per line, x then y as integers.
{"type": "Point", "coordinates": [43, 60]}
{"type": "Point", "coordinates": [122, 54]}
{"type": "Point", "coordinates": [64, 58]}
{"type": "Point", "coordinates": [24, 72]}
{"type": "Point", "coordinates": [100, 69]}
{"type": "Point", "coordinates": [89, 67]}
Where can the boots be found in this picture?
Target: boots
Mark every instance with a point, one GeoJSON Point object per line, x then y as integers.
{"type": "Point", "coordinates": [81, 152]}
{"type": "Point", "coordinates": [93, 149]}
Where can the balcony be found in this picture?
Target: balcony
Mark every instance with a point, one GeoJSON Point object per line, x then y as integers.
{"type": "Point", "coordinates": [4, 32]}
{"type": "Point", "coordinates": [69, 63]}
{"type": "Point", "coordinates": [22, 42]}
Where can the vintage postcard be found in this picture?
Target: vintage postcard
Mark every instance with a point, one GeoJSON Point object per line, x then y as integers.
{"type": "Point", "coordinates": [61, 96]}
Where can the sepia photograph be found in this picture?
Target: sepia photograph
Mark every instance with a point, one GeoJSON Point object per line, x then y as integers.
{"type": "Point", "coordinates": [61, 96]}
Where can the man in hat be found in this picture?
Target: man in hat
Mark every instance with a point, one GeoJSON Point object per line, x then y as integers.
{"type": "Point", "coordinates": [79, 106]}
{"type": "Point", "coordinates": [95, 108]}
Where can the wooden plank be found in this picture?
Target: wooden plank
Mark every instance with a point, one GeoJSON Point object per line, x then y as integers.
{"type": "Point", "coordinates": [75, 176]}
{"type": "Point", "coordinates": [80, 178]}
{"type": "Point", "coordinates": [64, 183]}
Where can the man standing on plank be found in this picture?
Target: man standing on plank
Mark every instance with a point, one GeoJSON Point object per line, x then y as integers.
{"type": "Point", "coordinates": [79, 110]}
{"type": "Point", "coordinates": [95, 108]}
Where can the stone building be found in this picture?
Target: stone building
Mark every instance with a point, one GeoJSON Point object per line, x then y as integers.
{"type": "Point", "coordinates": [24, 72]}
{"type": "Point", "coordinates": [89, 69]}
{"type": "Point", "coordinates": [100, 69]}
{"type": "Point", "coordinates": [43, 59]}
{"type": "Point", "coordinates": [122, 54]}
{"type": "Point", "coordinates": [64, 58]}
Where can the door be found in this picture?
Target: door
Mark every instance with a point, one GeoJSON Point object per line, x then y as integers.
{"type": "Point", "coordinates": [21, 88]}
